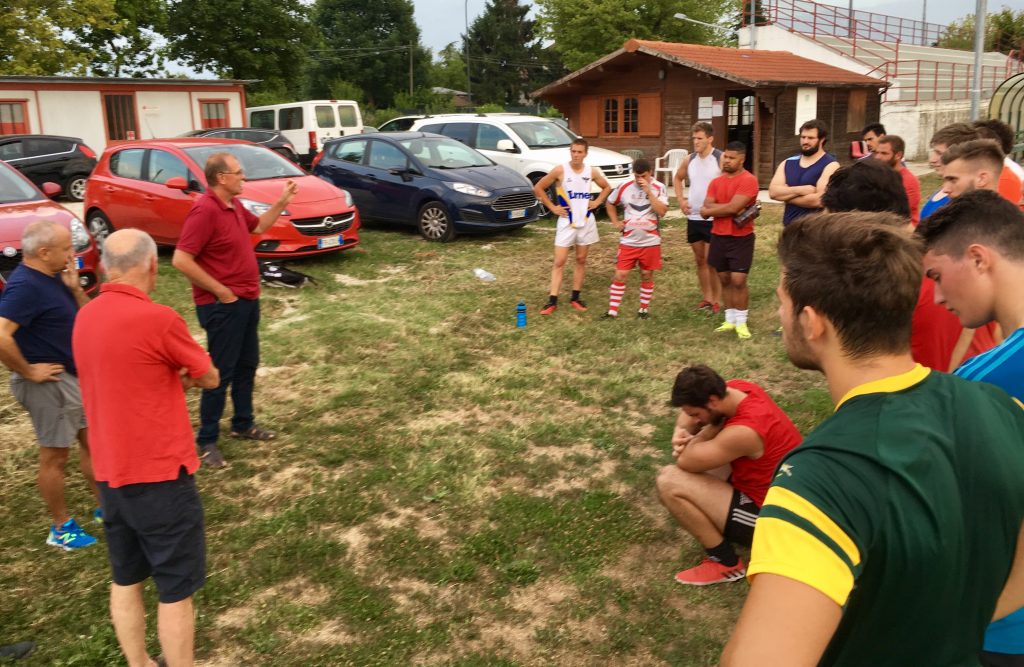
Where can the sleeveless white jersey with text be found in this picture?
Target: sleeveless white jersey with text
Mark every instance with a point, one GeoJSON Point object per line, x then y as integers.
{"type": "Point", "coordinates": [700, 172]}
{"type": "Point", "coordinates": [573, 193]}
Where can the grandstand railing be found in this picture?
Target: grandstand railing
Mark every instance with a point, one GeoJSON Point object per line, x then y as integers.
{"type": "Point", "coordinates": [867, 37]}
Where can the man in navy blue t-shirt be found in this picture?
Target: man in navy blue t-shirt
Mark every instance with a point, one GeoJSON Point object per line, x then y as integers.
{"type": "Point", "coordinates": [975, 254]}
{"type": "Point", "coordinates": [800, 181]}
{"type": "Point", "coordinates": [37, 314]}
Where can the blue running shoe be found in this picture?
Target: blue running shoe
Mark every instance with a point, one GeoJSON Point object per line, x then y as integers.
{"type": "Point", "coordinates": [97, 515]}
{"type": "Point", "coordinates": [69, 536]}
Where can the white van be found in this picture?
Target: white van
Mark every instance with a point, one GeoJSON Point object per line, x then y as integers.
{"type": "Point", "coordinates": [308, 124]}
{"type": "Point", "coordinates": [530, 145]}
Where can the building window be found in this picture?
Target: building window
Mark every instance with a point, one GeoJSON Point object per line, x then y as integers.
{"type": "Point", "coordinates": [214, 113]}
{"type": "Point", "coordinates": [12, 118]}
{"type": "Point", "coordinates": [611, 116]}
{"type": "Point", "coordinates": [621, 115]}
{"type": "Point", "coordinates": [631, 115]}
{"type": "Point", "coordinates": [120, 116]}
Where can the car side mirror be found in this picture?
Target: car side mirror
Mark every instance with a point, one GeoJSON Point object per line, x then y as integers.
{"type": "Point", "coordinates": [51, 189]}
{"type": "Point", "coordinates": [177, 183]}
{"type": "Point", "coordinates": [506, 146]}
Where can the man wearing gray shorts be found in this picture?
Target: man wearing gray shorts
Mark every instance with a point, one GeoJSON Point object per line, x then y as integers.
{"type": "Point", "coordinates": [37, 313]}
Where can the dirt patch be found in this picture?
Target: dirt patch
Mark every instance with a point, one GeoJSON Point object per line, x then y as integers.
{"type": "Point", "coordinates": [435, 420]}
{"type": "Point", "coordinates": [226, 657]}
{"type": "Point", "coordinates": [331, 633]}
{"type": "Point", "coordinates": [285, 322]}
{"type": "Point", "coordinates": [355, 538]}
{"type": "Point", "coordinates": [389, 273]}
{"type": "Point", "coordinates": [296, 591]}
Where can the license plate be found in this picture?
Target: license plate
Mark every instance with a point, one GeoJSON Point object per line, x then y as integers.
{"type": "Point", "coordinates": [328, 242]}
{"type": "Point", "coordinates": [79, 263]}
{"type": "Point", "coordinates": [517, 213]}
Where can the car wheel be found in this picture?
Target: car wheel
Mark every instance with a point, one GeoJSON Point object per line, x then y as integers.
{"type": "Point", "coordinates": [99, 226]}
{"type": "Point", "coordinates": [75, 187]}
{"type": "Point", "coordinates": [551, 190]}
{"type": "Point", "coordinates": [434, 223]}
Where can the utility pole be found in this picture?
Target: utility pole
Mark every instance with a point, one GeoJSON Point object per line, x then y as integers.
{"type": "Point", "coordinates": [465, 53]}
{"type": "Point", "coordinates": [979, 50]}
{"type": "Point", "coordinates": [410, 70]}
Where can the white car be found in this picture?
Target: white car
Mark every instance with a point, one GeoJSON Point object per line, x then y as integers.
{"type": "Point", "coordinates": [530, 145]}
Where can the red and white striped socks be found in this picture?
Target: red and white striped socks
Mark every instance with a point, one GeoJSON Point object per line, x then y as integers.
{"type": "Point", "coordinates": [646, 292]}
{"type": "Point", "coordinates": [615, 297]}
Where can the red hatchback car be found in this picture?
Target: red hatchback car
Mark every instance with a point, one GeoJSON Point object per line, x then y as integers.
{"type": "Point", "coordinates": [22, 203]}
{"type": "Point", "coordinates": [151, 185]}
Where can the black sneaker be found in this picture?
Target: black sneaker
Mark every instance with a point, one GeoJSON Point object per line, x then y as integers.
{"type": "Point", "coordinates": [642, 313]}
{"type": "Point", "coordinates": [211, 457]}
{"type": "Point", "coordinates": [609, 316]}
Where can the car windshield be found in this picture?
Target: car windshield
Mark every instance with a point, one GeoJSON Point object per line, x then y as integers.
{"type": "Point", "coordinates": [542, 134]}
{"type": "Point", "coordinates": [14, 189]}
{"type": "Point", "coordinates": [259, 163]}
{"type": "Point", "coordinates": [444, 153]}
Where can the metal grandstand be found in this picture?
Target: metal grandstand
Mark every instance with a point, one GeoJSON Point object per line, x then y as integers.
{"type": "Point", "coordinates": [900, 51]}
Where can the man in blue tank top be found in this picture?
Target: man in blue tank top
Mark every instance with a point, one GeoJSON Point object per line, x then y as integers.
{"type": "Point", "coordinates": [800, 180]}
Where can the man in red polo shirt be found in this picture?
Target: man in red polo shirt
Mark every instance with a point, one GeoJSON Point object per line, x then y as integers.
{"type": "Point", "coordinates": [890, 150]}
{"type": "Point", "coordinates": [734, 424]}
{"type": "Point", "coordinates": [215, 253]}
{"type": "Point", "coordinates": [135, 358]}
{"type": "Point", "coordinates": [732, 245]}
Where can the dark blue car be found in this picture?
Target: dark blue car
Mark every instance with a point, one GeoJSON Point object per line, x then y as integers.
{"type": "Point", "coordinates": [440, 185]}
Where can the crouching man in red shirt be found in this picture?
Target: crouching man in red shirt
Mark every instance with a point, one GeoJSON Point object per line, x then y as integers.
{"type": "Point", "coordinates": [135, 360]}
{"type": "Point", "coordinates": [734, 424]}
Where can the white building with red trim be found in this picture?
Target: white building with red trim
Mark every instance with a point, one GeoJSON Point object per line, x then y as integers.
{"type": "Point", "coordinates": [105, 110]}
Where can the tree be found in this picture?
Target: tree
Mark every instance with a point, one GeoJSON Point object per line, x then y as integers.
{"type": "Point", "coordinates": [449, 70]}
{"type": "Point", "coordinates": [367, 45]}
{"type": "Point", "coordinates": [1004, 32]}
{"type": "Point", "coordinates": [128, 47]}
{"type": "Point", "coordinates": [243, 39]}
{"type": "Point", "coordinates": [584, 30]}
{"type": "Point", "coordinates": [506, 56]}
{"type": "Point", "coordinates": [37, 36]}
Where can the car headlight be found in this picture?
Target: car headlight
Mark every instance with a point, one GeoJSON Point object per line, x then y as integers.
{"type": "Point", "coordinates": [258, 208]}
{"type": "Point", "coordinates": [79, 235]}
{"type": "Point", "coordinates": [467, 189]}
{"type": "Point", "coordinates": [348, 198]}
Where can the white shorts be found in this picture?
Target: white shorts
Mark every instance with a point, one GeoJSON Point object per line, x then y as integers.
{"type": "Point", "coordinates": [566, 236]}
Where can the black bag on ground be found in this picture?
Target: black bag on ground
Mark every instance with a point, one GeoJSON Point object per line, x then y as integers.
{"type": "Point", "coordinates": [277, 275]}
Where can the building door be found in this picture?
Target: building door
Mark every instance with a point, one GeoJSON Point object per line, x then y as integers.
{"type": "Point", "coordinates": [119, 113]}
{"type": "Point", "coordinates": [741, 107]}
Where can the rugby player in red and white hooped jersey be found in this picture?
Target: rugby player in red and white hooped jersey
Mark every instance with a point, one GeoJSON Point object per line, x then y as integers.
{"type": "Point", "coordinates": [644, 200]}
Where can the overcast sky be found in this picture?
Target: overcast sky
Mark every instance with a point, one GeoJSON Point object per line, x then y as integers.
{"type": "Point", "coordinates": [443, 21]}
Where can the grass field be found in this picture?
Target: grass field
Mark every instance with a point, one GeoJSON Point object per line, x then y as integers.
{"type": "Point", "coordinates": [446, 489]}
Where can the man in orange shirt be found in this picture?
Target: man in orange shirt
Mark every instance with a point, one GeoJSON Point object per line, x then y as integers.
{"type": "Point", "coordinates": [890, 150]}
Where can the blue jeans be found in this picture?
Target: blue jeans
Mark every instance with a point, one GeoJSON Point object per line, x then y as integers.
{"type": "Point", "coordinates": [234, 345]}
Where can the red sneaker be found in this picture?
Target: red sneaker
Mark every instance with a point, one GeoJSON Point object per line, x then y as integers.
{"type": "Point", "coordinates": [578, 305]}
{"type": "Point", "coordinates": [711, 572]}
{"type": "Point", "coordinates": [715, 308]}
{"type": "Point", "coordinates": [548, 309]}
{"type": "Point", "coordinates": [704, 305]}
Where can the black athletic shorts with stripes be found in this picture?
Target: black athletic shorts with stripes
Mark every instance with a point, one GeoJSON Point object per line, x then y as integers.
{"type": "Point", "coordinates": [739, 523]}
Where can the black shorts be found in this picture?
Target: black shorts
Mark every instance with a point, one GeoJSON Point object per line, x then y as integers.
{"type": "Point", "coordinates": [731, 254]}
{"type": "Point", "coordinates": [156, 530]}
{"type": "Point", "coordinates": [739, 524]}
{"type": "Point", "coordinates": [698, 230]}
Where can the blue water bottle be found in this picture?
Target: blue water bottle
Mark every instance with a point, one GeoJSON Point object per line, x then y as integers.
{"type": "Point", "coordinates": [521, 314]}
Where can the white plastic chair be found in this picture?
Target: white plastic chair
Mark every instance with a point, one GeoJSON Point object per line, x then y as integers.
{"type": "Point", "coordinates": [669, 163]}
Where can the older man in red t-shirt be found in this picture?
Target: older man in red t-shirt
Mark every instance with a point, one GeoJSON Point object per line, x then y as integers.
{"type": "Point", "coordinates": [732, 244]}
{"type": "Point", "coordinates": [135, 358]}
{"type": "Point", "coordinates": [890, 150]}
{"type": "Point", "coordinates": [215, 253]}
{"type": "Point", "coordinates": [734, 424]}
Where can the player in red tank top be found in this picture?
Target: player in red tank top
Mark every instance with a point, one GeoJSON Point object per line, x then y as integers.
{"type": "Point", "coordinates": [720, 424]}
